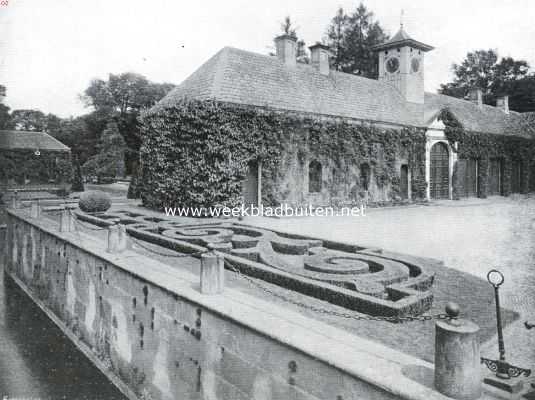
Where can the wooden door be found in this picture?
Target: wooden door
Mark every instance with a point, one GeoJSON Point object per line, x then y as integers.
{"type": "Point", "coordinates": [250, 186]}
{"type": "Point", "coordinates": [516, 177]}
{"type": "Point", "coordinates": [495, 176]}
{"type": "Point", "coordinates": [440, 172]}
{"type": "Point", "coordinates": [466, 177]}
{"type": "Point", "coordinates": [470, 178]}
{"type": "Point", "coordinates": [404, 182]}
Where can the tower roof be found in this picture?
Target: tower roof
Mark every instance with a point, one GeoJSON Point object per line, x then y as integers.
{"type": "Point", "coordinates": [400, 39]}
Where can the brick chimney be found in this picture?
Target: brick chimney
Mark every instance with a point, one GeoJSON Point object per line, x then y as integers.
{"type": "Point", "coordinates": [475, 95]}
{"type": "Point", "coordinates": [503, 103]}
{"type": "Point", "coordinates": [286, 49]}
{"type": "Point", "coordinates": [319, 57]}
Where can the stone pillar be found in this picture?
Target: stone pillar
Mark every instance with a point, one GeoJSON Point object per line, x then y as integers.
{"type": "Point", "coordinates": [15, 200]}
{"type": "Point", "coordinates": [35, 210]}
{"type": "Point", "coordinates": [457, 359]}
{"type": "Point", "coordinates": [212, 273]}
{"type": "Point", "coordinates": [117, 239]}
{"type": "Point", "coordinates": [66, 222]}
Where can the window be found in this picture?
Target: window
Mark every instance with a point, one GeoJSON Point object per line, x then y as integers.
{"type": "Point", "coordinates": [314, 177]}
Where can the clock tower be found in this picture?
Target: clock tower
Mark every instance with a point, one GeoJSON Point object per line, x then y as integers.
{"type": "Point", "coordinates": [401, 64]}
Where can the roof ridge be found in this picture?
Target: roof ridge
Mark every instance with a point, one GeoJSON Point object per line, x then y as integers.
{"type": "Point", "coordinates": [221, 63]}
{"type": "Point", "coordinates": [312, 69]}
{"type": "Point", "coordinates": [54, 139]}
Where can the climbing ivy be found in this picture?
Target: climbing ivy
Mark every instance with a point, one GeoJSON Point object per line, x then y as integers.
{"type": "Point", "coordinates": [18, 165]}
{"type": "Point", "coordinates": [483, 147]}
{"type": "Point", "coordinates": [196, 153]}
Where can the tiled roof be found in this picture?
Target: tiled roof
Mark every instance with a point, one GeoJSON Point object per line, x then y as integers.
{"type": "Point", "coordinates": [487, 119]}
{"type": "Point", "coordinates": [26, 140]}
{"type": "Point", "coordinates": [242, 77]}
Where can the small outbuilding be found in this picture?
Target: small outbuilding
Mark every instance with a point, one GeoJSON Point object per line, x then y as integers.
{"type": "Point", "coordinates": [29, 158]}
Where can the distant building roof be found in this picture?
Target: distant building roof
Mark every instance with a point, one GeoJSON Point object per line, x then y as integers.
{"type": "Point", "coordinates": [27, 140]}
{"type": "Point", "coordinates": [242, 77]}
{"type": "Point", "coordinates": [487, 119]}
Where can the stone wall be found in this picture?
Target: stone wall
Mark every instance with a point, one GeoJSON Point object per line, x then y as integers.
{"type": "Point", "coordinates": [341, 177]}
{"type": "Point", "coordinates": [146, 325]}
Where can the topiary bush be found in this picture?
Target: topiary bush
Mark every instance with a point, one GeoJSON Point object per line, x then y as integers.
{"type": "Point", "coordinates": [94, 201]}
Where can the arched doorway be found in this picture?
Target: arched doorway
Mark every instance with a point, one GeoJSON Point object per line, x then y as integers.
{"type": "Point", "coordinates": [439, 184]}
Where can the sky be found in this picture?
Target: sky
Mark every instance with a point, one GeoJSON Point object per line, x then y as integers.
{"type": "Point", "coordinates": [51, 49]}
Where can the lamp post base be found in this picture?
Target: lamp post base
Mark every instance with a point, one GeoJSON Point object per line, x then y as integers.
{"type": "Point", "coordinates": [504, 388]}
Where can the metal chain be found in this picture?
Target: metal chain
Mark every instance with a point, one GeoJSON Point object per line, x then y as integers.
{"type": "Point", "coordinates": [137, 241]}
{"type": "Point", "coordinates": [143, 246]}
{"type": "Point", "coordinates": [265, 289]}
{"type": "Point", "coordinates": [331, 312]}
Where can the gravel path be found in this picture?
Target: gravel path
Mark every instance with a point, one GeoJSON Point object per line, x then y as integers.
{"type": "Point", "coordinates": [472, 236]}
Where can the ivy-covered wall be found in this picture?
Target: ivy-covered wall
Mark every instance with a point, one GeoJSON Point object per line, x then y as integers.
{"type": "Point", "coordinates": [196, 154]}
{"type": "Point", "coordinates": [16, 166]}
{"type": "Point", "coordinates": [484, 147]}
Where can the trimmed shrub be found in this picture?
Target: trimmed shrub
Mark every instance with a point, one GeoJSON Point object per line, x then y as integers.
{"type": "Point", "coordinates": [94, 201]}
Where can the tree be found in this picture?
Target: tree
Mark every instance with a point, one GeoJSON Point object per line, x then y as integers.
{"type": "Point", "coordinates": [351, 38]}
{"type": "Point", "coordinates": [109, 161]}
{"type": "Point", "coordinates": [302, 52]}
{"type": "Point", "coordinates": [482, 69]}
{"type": "Point", "coordinates": [5, 117]}
{"type": "Point", "coordinates": [77, 181]}
{"type": "Point", "coordinates": [521, 94]}
{"type": "Point", "coordinates": [288, 28]}
{"type": "Point", "coordinates": [4, 110]}
{"type": "Point", "coordinates": [120, 99]}
{"type": "Point", "coordinates": [28, 120]}
{"type": "Point", "coordinates": [336, 37]}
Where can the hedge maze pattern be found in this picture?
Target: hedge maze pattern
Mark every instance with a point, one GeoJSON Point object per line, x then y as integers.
{"type": "Point", "coordinates": [361, 279]}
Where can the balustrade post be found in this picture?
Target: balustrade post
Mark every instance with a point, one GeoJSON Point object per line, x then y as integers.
{"type": "Point", "coordinates": [35, 210]}
{"type": "Point", "coordinates": [212, 273]}
{"type": "Point", "coordinates": [66, 222]}
{"type": "Point", "coordinates": [117, 239]}
{"type": "Point", "coordinates": [457, 359]}
{"type": "Point", "coordinates": [15, 200]}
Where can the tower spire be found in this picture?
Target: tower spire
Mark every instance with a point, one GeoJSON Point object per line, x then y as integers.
{"type": "Point", "coordinates": [401, 19]}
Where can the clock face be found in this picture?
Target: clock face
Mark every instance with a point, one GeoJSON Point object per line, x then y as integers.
{"type": "Point", "coordinates": [415, 64]}
{"type": "Point", "coordinates": [392, 64]}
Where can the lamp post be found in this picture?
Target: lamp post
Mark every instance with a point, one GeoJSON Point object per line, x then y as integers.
{"type": "Point", "coordinates": [501, 367]}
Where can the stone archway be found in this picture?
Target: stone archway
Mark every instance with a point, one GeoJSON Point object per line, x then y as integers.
{"type": "Point", "coordinates": [439, 174]}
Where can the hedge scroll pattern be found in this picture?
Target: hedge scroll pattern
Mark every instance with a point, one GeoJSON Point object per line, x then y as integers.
{"type": "Point", "coordinates": [361, 279]}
